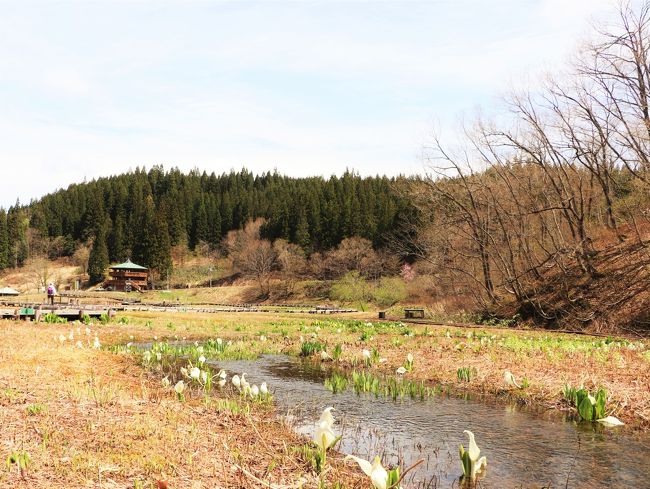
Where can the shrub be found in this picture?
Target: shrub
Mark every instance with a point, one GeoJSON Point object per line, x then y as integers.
{"type": "Point", "coordinates": [352, 287]}
{"type": "Point", "coordinates": [389, 291]}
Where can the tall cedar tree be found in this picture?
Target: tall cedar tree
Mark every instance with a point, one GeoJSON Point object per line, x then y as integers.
{"type": "Point", "coordinates": [4, 241]}
{"type": "Point", "coordinates": [98, 259]}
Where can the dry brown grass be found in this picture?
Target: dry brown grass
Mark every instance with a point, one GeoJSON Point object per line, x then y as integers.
{"type": "Point", "coordinates": [106, 423]}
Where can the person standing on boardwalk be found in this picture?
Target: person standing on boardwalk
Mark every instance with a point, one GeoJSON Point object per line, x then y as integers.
{"type": "Point", "coordinates": [51, 292]}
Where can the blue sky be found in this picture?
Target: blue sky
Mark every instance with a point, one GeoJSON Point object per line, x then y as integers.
{"type": "Point", "coordinates": [90, 89]}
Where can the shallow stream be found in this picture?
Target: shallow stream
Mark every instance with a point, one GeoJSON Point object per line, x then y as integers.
{"type": "Point", "coordinates": [524, 448]}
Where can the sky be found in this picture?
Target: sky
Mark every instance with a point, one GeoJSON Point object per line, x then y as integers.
{"type": "Point", "coordinates": [90, 88]}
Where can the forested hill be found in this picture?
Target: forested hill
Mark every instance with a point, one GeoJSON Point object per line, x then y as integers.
{"type": "Point", "coordinates": [141, 210]}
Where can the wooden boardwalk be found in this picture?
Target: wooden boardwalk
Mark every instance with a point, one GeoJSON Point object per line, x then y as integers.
{"type": "Point", "coordinates": [36, 311]}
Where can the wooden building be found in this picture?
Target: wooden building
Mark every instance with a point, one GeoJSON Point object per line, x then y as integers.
{"type": "Point", "coordinates": [127, 276]}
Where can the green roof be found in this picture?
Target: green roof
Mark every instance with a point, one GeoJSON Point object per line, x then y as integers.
{"type": "Point", "coordinates": [128, 265]}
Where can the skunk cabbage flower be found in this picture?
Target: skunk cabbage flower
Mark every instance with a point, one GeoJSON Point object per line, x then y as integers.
{"type": "Point", "coordinates": [165, 382]}
{"type": "Point", "coordinates": [146, 356]}
{"type": "Point", "coordinates": [326, 417]}
{"type": "Point", "coordinates": [245, 386]}
{"type": "Point", "coordinates": [184, 372]}
{"type": "Point", "coordinates": [254, 391]}
{"type": "Point", "coordinates": [219, 341]}
{"type": "Point", "coordinates": [96, 343]}
{"type": "Point", "coordinates": [324, 437]}
{"type": "Point", "coordinates": [366, 354]}
{"type": "Point", "coordinates": [509, 379]}
{"type": "Point", "coordinates": [179, 387]}
{"type": "Point", "coordinates": [201, 359]}
{"type": "Point", "coordinates": [236, 381]}
{"type": "Point", "coordinates": [472, 464]}
{"type": "Point", "coordinates": [611, 421]}
{"type": "Point", "coordinates": [401, 371]}
{"type": "Point", "coordinates": [204, 377]}
{"type": "Point", "coordinates": [409, 358]}
{"type": "Point", "coordinates": [377, 473]}
{"type": "Point", "coordinates": [195, 373]}
{"type": "Point", "coordinates": [324, 355]}
{"type": "Point", "coordinates": [264, 390]}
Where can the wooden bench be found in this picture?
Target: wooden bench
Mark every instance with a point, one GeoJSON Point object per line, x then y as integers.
{"type": "Point", "coordinates": [414, 313]}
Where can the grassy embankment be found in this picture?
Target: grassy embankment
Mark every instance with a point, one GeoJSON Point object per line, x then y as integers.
{"type": "Point", "coordinates": [87, 416]}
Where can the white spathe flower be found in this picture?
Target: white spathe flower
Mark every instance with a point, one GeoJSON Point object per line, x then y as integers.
{"type": "Point", "coordinates": [165, 382]}
{"type": "Point", "coordinates": [326, 417]}
{"type": "Point", "coordinates": [155, 338]}
{"type": "Point", "coordinates": [179, 387]}
{"type": "Point", "coordinates": [377, 473]}
{"type": "Point", "coordinates": [201, 359]}
{"type": "Point", "coordinates": [264, 390]}
{"type": "Point", "coordinates": [199, 349]}
{"type": "Point", "coordinates": [611, 421]}
{"type": "Point", "coordinates": [204, 377]}
{"type": "Point", "coordinates": [401, 371]}
{"type": "Point", "coordinates": [366, 354]}
{"type": "Point", "coordinates": [324, 437]}
{"type": "Point", "coordinates": [195, 373]}
{"type": "Point", "coordinates": [222, 374]}
{"type": "Point", "coordinates": [262, 338]}
{"type": "Point", "coordinates": [409, 358]}
{"type": "Point", "coordinates": [255, 391]}
{"type": "Point", "coordinates": [474, 453]}
{"type": "Point", "coordinates": [236, 381]}
{"type": "Point", "coordinates": [219, 341]}
{"type": "Point", "coordinates": [324, 355]}
{"type": "Point", "coordinates": [474, 450]}
{"type": "Point", "coordinates": [96, 343]}
{"type": "Point", "coordinates": [221, 382]}
{"type": "Point", "coordinates": [158, 356]}
{"type": "Point", "coordinates": [509, 379]}
{"type": "Point", "coordinates": [184, 372]}
{"type": "Point", "coordinates": [146, 356]}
